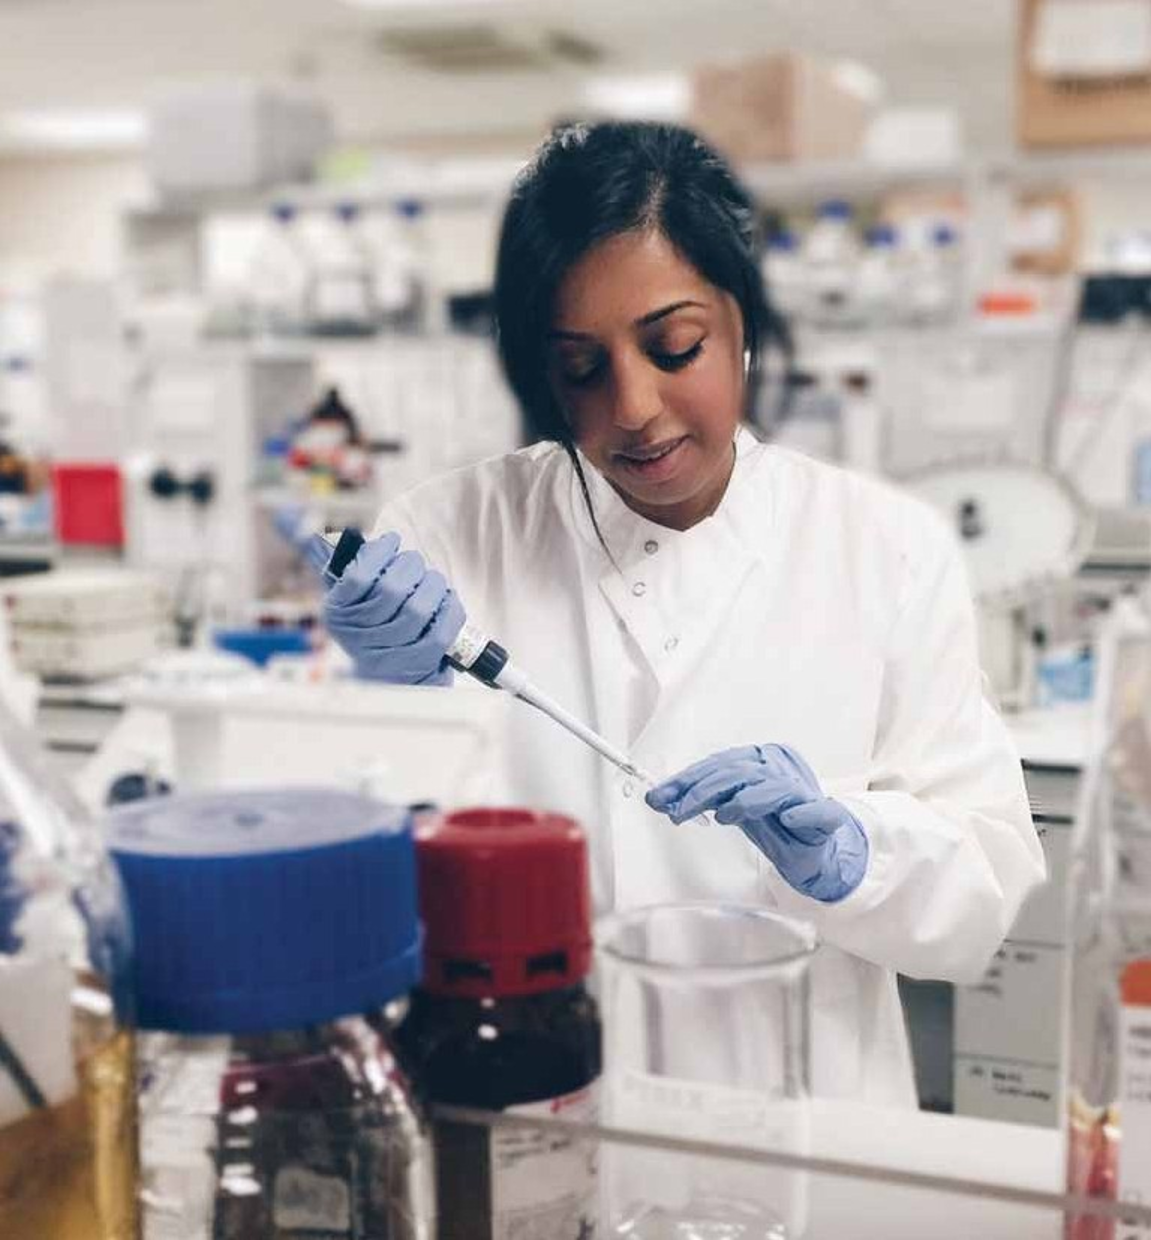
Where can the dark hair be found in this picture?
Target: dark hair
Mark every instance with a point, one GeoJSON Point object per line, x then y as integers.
{"type": "Point", "coordinates": [591, 182]}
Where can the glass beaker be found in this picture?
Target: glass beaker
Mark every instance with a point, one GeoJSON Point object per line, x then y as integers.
{"type": "Point", "coordinates": [707, 1011]}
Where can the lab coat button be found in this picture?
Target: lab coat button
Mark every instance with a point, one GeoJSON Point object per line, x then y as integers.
{"type": "Point", "coordinates": [628, 788]}
{"type": "Point", "coordinates": [639, 589]}
{"type": "Point", "coordinates": [671, 644]}
{"type": "Point", "coordinates": [651, 546]}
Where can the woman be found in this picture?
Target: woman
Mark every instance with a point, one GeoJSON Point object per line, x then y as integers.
{"type": "Point", "coordinates": [797, 642]}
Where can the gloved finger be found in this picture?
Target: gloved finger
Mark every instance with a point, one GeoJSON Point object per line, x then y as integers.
{"type": "Point", "coordinates": [290, 522]}
{"type": "Point", "coordinates": [415, 617]}
{"type": "Point", "coordinates": [799, 765]}
{"type": "Point", "coordinates": [387, 597]}
{"type": "Point", "coordinates": [814, 822]}
{"type": "Point", "coordinates": [446, 625]}
{"type": "Point", "coordinates": [674, 787]}
{"type": "Point", "coordinates": [360, 577]}
{"type": "Point", "coordinates": [420, 661]}
{"type": "Point", "coordinates": [712, 790]}
{"type": "Point", "coordinates": [760, 801]}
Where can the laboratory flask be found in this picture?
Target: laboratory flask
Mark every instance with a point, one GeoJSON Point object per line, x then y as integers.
{"type": "Point", "coordinates": [708, 1016]}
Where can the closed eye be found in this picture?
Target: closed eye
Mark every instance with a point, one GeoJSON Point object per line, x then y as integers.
{"type": "Point", "coordinates": [583, 377]}
{"type": "Point", "coordinates": [677, 361]}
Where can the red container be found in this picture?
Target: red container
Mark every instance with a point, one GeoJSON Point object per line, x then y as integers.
{"type": "Point", "coordinates": [89, 505]}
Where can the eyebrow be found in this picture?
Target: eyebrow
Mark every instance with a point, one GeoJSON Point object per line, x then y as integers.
{"type": "Point", "coordinates": [653, 316]}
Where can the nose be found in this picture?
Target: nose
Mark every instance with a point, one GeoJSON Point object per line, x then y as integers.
{"type": "Point", "coordinates": [637, 399]}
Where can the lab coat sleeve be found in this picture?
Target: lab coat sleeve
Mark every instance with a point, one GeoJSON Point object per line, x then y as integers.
{"type": "Point", "coordinates": [399, 517]}
{"type": "Point", "coordinates": [952, 848]}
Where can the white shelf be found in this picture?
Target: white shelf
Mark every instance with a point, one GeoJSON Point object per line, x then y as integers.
{"type": "Point", "coordinates": [447, 183]}
{"type": "Point", "coordinates": [789, 183]}
{"type": "Point", "coordinates": [485, 183]}
{"type": "Point", "coordinates": [339, 502]}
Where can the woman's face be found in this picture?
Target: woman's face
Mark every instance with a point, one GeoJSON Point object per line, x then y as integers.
{"type": "Point", "coordinates": [646, 360]}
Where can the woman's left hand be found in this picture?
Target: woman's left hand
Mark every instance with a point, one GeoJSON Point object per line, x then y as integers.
{"type": "Point", "coordinates": [818, 846]}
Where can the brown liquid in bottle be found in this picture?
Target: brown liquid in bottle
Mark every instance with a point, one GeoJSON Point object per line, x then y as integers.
{"type": "Point", "coordinates": [68, 1172]}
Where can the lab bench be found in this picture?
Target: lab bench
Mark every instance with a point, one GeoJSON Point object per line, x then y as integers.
{"type": "Point", "coordinates": [977, 1151]}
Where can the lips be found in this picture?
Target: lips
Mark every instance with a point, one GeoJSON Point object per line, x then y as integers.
{"type": "Point", "coordinates": [656, 463]}
{"type": "Point", "coordinates": [646, 454]}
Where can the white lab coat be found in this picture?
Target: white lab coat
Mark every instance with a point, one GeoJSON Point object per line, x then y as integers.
{"type": "Point", "coordinates": [816, 608]}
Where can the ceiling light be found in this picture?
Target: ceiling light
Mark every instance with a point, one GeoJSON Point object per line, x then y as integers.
{"type": "Point", "coordinates": [652, 96]}
{"type": "Point", "coordinates": [76, 130]}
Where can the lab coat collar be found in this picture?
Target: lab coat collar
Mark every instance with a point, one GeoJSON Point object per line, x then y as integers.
{"type": "Point", "coordinates": [625, 531]}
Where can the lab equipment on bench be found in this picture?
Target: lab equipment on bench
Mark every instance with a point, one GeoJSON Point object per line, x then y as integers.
{"type": "Point", "coordinates": [1024, 534]}
{"type": "Point", "coordinates": [275, 933]}
{"type": "Point", "coordinates": [87, 623]}
{"type": "Point", "coordinates": [671, 976]}
{"type": "Point", "coordinates": [247, 728]}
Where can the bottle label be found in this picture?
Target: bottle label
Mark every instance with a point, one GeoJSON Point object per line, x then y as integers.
{"type": "Point", "coordinates": [544, 1185]}
{"type": "Point", "coordinates": [1134, 1181]}
{"type": "Point", "coordinates": [307, 1202]}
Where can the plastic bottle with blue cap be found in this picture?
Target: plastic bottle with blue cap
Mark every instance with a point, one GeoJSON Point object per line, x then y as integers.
{"type": "Point", "coordinates": [831, 262]}
{"type": "Point", "coordinates": [278, 937]}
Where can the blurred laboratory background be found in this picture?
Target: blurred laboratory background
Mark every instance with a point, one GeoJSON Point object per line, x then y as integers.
{"type": "Point", "coordinates": [246, 255]}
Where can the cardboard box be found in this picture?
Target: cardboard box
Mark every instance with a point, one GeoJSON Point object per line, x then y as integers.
{"type": "Point", "coordinates": [778, 107]}
{"type": "Point", "coordinates": [1075, 107]}
{"type": "Point", "coordinates": [1045, 232]}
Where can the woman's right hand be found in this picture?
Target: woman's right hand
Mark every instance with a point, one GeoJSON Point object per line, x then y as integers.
{"type": "Point", "coordinates": [392, 614]}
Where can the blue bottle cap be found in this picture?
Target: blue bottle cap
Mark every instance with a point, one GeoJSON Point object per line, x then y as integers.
{"type": "Point", "coordinates": [835, 209]}
{"type": "Point", "coordinates": [784, 241]}
{"type": "Point", "coordinates": [265, 910]}
{"type": "Point", "coordinates": [944, 234]}
{"type": "Point", "coordinates": [881, 236]}
{"type": "Point", "coordinates": [285, 212]}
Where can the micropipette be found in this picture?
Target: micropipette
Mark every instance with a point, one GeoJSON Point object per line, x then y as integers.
{"type": "Point", "coordinates": [475, 653]}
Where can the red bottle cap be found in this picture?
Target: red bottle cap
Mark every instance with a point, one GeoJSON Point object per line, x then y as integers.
{"type": "Point", "coordinates": [505, 902]}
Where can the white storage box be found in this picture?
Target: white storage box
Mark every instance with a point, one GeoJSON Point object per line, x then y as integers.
{"type": "Point", "coordinates": [236, 136]}
{"type": "Point", "coordinates": [86, 654]}
{"type": "Point", "coordinates": [83, 597]}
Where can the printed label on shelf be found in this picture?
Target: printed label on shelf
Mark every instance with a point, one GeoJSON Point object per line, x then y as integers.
{"type": "Point", "coordinates": [1134, 1181]}
{"type": "Point", "coordinates": [305, 1201]}
{"type": "Point", "coordinates": [545, 1185]}
{"type": "Point", "coordinates": [987, 1088]}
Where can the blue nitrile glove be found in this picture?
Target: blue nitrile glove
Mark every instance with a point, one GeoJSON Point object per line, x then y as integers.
{"type": "Point", "coordinates": [818, 846]}
{"type": "Point", "coordinates": [393, 615]}
{"type": "Point", "coordinates": [294, 525]}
